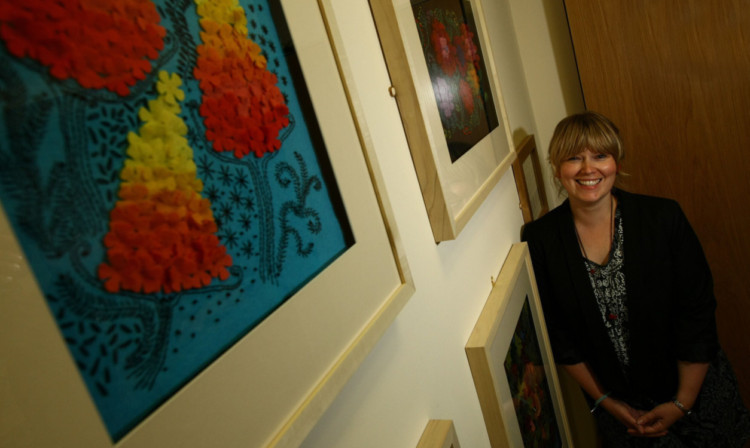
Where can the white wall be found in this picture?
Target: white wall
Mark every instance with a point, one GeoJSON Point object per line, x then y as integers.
{"type": "Point", "coordinates": [549, 69]}
{"type": "Point", "coordinates": [418, 370]}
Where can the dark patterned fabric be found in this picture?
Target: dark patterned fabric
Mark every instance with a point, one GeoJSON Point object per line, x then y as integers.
{"type": "Point", "coordinates": [719, 418]}
{"type": "Point", "coordinates": [608, 283]}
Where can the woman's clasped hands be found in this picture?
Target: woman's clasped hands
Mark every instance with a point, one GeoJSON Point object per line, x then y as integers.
{"type": "Point", "coordinates": [640, 423]}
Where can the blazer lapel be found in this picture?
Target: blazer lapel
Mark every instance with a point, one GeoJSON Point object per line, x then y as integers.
{"type": "Point", "coordinates": [583, 295]}
{"type": "Point", "coordinates": [635, 253]}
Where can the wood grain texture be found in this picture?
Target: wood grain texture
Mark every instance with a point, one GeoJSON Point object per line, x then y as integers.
{"type": "Point", "coordinates": [527, 153]}
{"type": "Point", "coordinates": [415, 128]}
{"type": "Point", "coordinates": [439, 434]}
{"type": "Point", "coordinates": [673, 75]}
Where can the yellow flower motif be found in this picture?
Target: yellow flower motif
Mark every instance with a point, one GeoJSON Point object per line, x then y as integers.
{"type": "Point", "coordinates": [153, 130]}
{"type": "Point", "coordinates": [136, 147]}
{"type": "Point", "coordinates": [473, 79]}
{"type": "Point", "coordinates": [134, 139]}
{"type": "Point", "coordinates": [176, 126]}
{"type": "Point", "coordinates": [168, 87]}
{"type": "Point", "coordinates": [188, 181]}
{"type": "Point", "coordinates": [135, 172]}
{"type": "Point", "coordinates": [158, 110]}
{"type": "Point", "coordinates": [227, 12]}
{"type": "Point", "coordinates": [238, 20]}
{"type": "Point", "coordinates": [152, 154]}
{"type": "Point", "coordinates": [163, 184]}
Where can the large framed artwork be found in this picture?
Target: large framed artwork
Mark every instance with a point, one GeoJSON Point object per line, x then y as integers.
{"type": "Point", "coordinates": [193, 250]}
{"type": "Point", "coordinates": [512, 365]}
{"type": "Point", "coordinates": [445, 82]}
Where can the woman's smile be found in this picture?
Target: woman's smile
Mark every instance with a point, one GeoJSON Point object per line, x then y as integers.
{"type": "Point", "coordinates": [588, 176]}
{"type": "Point", "coordinates": [589, 183]}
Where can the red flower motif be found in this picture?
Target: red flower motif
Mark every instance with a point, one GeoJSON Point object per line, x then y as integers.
{"type": "Point", "coordinates": [467, 98]}
{"type": "Point", "coordinates": [99, 43]}
{"type": "Point", "coordinates": [149, 250]}
{"type": "Point", "coordinates": [244, 109]}
{"type": "Point", "coordinates": [445, 52]}
{"type": "Point", "coordinates": [162, 232]}
{"type": "Point", "coordinates": [465, 41]}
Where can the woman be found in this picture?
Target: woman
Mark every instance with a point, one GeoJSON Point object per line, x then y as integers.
{"type": "Point", "coordinates": [628, 300]}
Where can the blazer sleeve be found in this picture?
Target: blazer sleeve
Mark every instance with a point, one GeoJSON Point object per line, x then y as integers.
{"type": "Point", "coordinates": [694, 301]}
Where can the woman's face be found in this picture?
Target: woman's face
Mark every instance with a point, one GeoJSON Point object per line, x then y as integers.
{"type": "Point", "coordinates": [588, 177]}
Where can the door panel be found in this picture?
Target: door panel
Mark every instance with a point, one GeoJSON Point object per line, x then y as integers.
{"type": "Point", "coordinates": [674, 75]}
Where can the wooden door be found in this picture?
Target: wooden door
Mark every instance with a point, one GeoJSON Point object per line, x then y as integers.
{"type": "Point", "coordinates": [674, 75]}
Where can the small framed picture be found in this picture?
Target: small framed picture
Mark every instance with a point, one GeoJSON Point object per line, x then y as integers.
{"type": "Point", "coordinates": [511, 362]}
{"type": "Point", "coordinates": [528, 173]}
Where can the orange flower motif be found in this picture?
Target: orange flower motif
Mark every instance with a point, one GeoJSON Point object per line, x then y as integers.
{"type": "Point", "coordinates": [464, 90]}
{"type": "Point", "coordinates": [161, 234]}
{"type": "Point", "coordinates": [244, 110]}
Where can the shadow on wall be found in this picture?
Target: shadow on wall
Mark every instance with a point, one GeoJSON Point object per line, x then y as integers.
{"type": "Point", "coordinates": [562, 46]}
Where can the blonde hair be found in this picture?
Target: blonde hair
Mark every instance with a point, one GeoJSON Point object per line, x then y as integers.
{"type": "Point", "coordinates": [579, 132]}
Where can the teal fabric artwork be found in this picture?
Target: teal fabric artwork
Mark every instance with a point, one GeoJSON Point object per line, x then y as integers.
{"type": "Point", "coordinates": [163, 170]}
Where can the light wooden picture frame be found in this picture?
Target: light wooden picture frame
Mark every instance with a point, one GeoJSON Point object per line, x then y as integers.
{"type": "Point", "coordinates": [452, 190]}
{"type": "Point", "coordinates": [491, 350]}
{"type": "Point", "coordinates": [439, 434]}
{"type": "Point", "coordinates": [527, 171]}
{"type": "Point", "coordinates": [270, 388]}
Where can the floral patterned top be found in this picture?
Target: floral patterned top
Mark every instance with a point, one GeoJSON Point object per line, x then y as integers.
{"type": "Point", "coordinates": [608, 283]}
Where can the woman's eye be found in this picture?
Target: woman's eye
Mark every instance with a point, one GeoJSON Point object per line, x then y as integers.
{"type": "Point", "coordinates": [574, 158]}
{"type": "Point", "coordinates": [602, 156]}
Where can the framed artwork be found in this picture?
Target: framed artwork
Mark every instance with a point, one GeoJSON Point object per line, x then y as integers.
{"type": "Point", "coordinates": [529, 182]}
{"type": "Point", "coordinates": [439, 434]}
{"type": "Point", "coordinates": [440, 62]}
{"type": "Point", "coordinates": [512, 365]}
{"type": "Point", "coordinates": [186, 199]}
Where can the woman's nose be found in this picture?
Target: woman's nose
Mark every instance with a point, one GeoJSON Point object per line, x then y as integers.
{"type": "Point", "coordinates": [585, 164]}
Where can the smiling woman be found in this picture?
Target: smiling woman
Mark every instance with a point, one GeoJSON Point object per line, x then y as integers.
{"type": "Point", "coordinates": [629, 303]}
{"type": "Point", "coordinates": [588, 177]}
{"type": "Point", "coordinates": [590, 131]}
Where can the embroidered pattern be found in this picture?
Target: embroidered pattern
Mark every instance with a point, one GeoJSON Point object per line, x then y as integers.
{"type": "Point", "coordinates": [156, 251]}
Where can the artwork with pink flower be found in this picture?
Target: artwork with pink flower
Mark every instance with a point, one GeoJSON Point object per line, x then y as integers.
{"type": "Point", "coordinates": [460, 80]}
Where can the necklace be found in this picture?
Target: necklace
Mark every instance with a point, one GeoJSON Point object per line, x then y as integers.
{"type": "Point", "coordinates": [592, 268]}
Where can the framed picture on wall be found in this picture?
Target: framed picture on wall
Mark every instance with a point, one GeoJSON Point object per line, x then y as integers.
{"type": "Point", "coordinates": [445, 82]}
{"type": "Point", "coordinates": [439, 434]}
{"type": "Point", "coordinates": [185, 203]}
{"type": "Point", "coordinates": [527, 171]}
{"type": "Point", "coordinates": [512, 365]}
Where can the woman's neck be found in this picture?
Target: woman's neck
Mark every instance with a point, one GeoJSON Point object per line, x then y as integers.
{"type": "Point", "coordinates": [594, 228]}
{"type": "Point", "coordinates": [589, 215]}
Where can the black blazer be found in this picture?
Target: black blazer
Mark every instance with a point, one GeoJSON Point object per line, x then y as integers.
{"type": "Point", "coordinates": [669, 289]}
